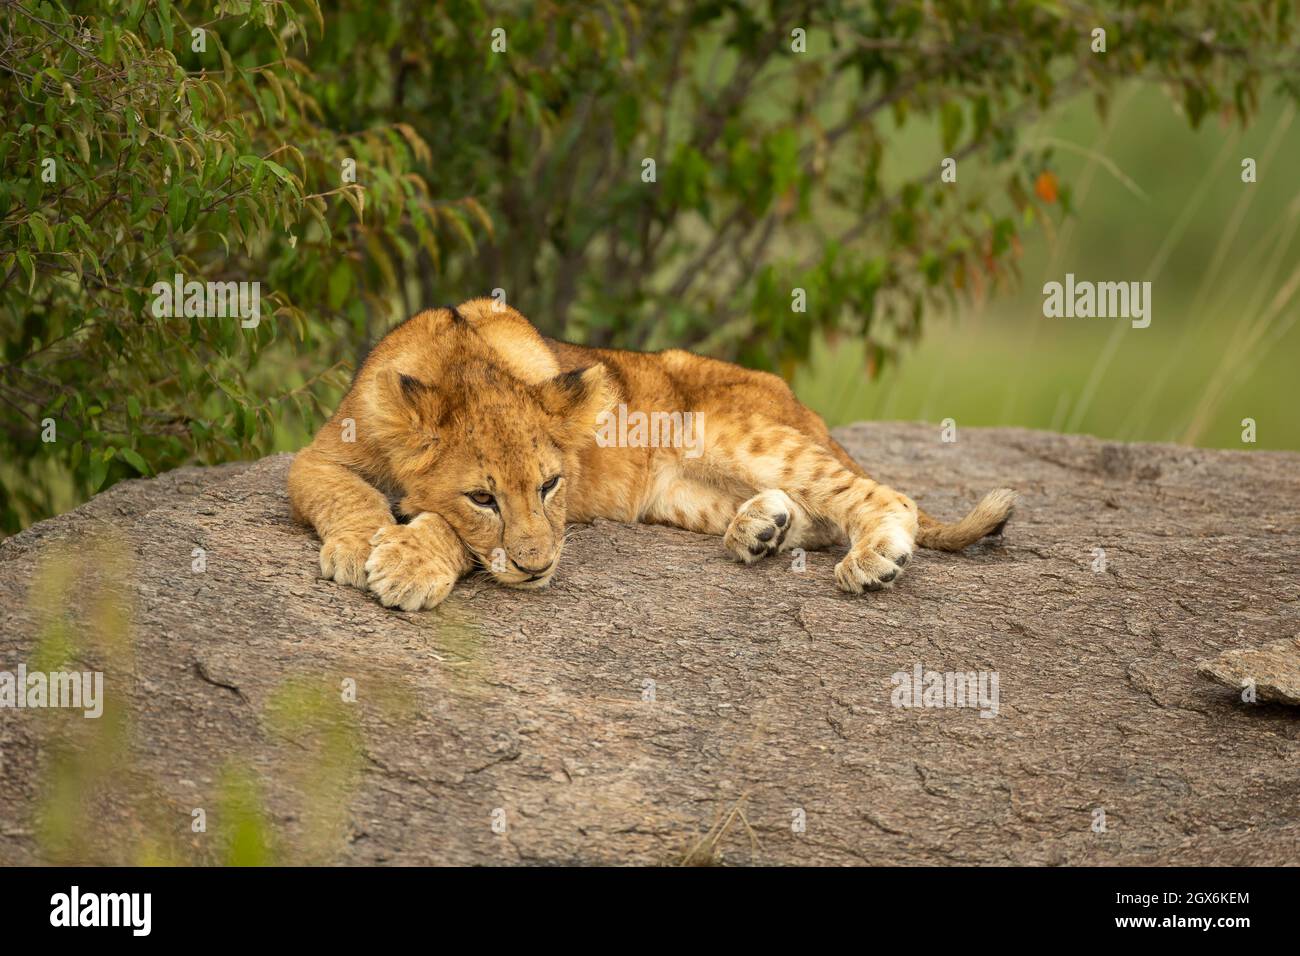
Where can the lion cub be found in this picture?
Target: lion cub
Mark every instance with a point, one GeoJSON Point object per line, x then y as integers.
{"type": "Point", "coordinates": [490, 437]}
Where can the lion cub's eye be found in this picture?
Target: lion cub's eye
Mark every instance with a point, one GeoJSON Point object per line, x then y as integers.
{"type": "Point", "coordinates": [482, 499]}
{"type": "Point", "coordinates": [550, 483]}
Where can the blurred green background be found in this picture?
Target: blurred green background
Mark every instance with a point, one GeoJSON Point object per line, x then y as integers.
{"type": "Point", "coordinates": [1155, 200]}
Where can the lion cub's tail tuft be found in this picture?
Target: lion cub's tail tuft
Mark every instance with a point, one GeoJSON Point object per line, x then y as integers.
{"type": "Point", "coordinates": [987, 518]}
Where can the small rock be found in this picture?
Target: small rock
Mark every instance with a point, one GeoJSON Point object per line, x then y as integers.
{"type": "Point", "coordinates": [1274, 669]}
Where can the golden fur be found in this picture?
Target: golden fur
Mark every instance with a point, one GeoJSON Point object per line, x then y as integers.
{"type": "Point", "coordinates": [485, 435]}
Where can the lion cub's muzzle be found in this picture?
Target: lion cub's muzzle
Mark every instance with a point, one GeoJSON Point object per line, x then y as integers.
{"type": "Point", "coordinates": [528, 575]}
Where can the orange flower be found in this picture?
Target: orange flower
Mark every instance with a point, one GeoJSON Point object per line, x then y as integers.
{"type": "Point", "coordinates": [1045, 186]}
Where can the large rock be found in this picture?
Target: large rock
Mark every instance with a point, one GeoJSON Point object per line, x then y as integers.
{"type": "Point", "coordinates": [660, 703]}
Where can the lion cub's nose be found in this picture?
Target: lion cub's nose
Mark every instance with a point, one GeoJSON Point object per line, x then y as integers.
{"type": "Point", "coordinates": [534, 571]}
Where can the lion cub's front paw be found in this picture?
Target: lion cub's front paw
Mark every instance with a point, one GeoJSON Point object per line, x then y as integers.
{"type": "Point", "coordinates": [760, 526]}
{"type": "Point", "coordinates": [343, 558]}
{"type": "Point", "coordinates": [404, 572]}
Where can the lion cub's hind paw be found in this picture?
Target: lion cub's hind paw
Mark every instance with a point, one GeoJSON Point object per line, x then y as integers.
{"type": "Point", "coordinates": [874, 566]}
{"type": "Point", "coordinates": [760, 526]}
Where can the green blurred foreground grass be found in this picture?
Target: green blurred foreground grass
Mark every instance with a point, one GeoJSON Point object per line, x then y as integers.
{"type": "Point", "coordinates": [97, 803]}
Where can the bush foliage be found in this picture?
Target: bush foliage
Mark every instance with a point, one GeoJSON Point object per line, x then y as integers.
{"type": "Point", "coordinates": [630, 174]}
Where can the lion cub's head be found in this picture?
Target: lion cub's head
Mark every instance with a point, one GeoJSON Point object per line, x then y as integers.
{"type": "Point", "coordinates": [491, 453]}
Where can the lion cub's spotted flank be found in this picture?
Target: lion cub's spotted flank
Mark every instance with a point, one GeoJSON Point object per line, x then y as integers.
{"type": "Point", "coordinates": [484, 433]}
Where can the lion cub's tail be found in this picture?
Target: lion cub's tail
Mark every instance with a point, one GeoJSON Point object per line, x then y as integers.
{"type": "Point", "coordinates": [988, 517]}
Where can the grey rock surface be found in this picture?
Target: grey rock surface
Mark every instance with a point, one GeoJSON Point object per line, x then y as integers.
{"type": "Point", "coordinates": [661, 703]}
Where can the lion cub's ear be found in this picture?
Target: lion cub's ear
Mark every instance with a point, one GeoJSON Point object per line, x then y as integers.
{"type": "Point", "coordinates": [575, 399]}
{"type": "Point", "coordinates": [407, 410]}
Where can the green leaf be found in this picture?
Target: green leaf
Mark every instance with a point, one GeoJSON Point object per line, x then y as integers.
{"type": "Point", "coordinates": [951, 121]}
{"type": "Point", "coordinates": [83, 145]}
{"type": "Point", "coordinates": [134, 459]}
{"type": "Point", "coordinates": [284, 175]}
{"type": "Point", "coordinates": [29, 268]}
{"type": "Point", "coordinates": [340, 284]}
{"type": "Point", "coordinates": [97, 472]}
